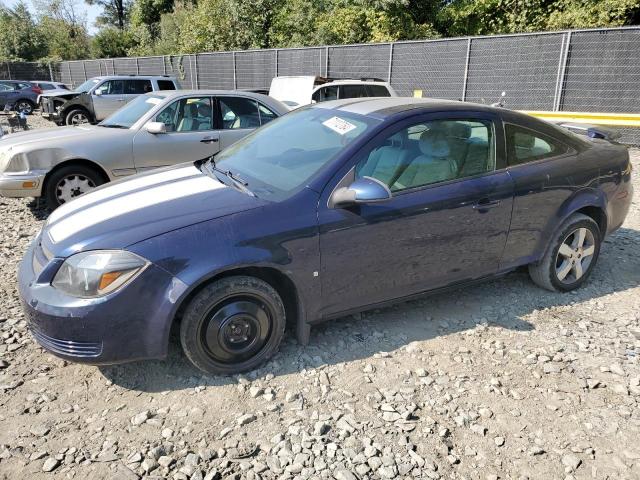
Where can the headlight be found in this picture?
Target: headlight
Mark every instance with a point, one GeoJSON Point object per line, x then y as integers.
{"type": "Point", "coordinates": [5, 156]}
{"type": "Point", "coordinates": [97, 273]}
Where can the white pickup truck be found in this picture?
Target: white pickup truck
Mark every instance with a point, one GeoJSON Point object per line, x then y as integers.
{"type": "Point", "coordinates": [296, 91]}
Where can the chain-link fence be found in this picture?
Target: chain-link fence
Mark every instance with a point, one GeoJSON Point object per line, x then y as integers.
{"type": "Point", "coordinates": [582, 70]}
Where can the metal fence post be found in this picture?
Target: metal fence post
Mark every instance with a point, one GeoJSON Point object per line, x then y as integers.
{"type": "Point", "coordinates": [466, 71]}
{"type": "Point", "coordinates": [326, 61]}
{"type": "Point", "coordinates": [235, 79]}
{"type": "Point", "coordinates": [561, 74]}
{"type": "Point", "coordinates": [137, 66]}
{"type": "Point", "coordinates": [69, 70]}
{"type": "Point", "coordinates": [276, 63]}
{"type": "Point", "coordinates": [9, 69]}
{"type": "Point", "coordinates": [84, 70]}
{"type": "Point", "coordinates": [164, 65]}
{"type": "Point", "coordinates": [113, 67]}
{"type": "Point", "coordinates": [194, 73]}
{"type": "Point", "coordinates": [390, 62]}
{"type": "Point", "coordinates": [51, 73]}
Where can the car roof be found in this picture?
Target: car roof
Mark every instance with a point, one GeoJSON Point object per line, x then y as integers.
{"type": "Point", "coordinates": [269, 101]}
{"type": "Point", "coordinates": [133, 77]}
{"type": "Point", "coordinates": [355, 82]}
{"type": "Point", "coordinates": [387, 106]}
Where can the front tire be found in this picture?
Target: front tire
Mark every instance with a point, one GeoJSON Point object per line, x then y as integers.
{"type": "Point", "coordinates": [233, 325]}
{"type": "Point", "coordinates": [69, 182]}
{"type": "Point", "coordinates": [571, 256]}
{"type": "Point", "coordinates": [77, 116]}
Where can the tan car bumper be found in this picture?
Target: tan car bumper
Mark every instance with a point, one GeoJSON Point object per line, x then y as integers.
{"type": "Point", "coordinates": [21, 185]}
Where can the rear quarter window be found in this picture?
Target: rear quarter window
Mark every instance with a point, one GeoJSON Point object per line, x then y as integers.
{"type": "Point", "coordinates": [378, 91]}
{"type": "Point", "coordinates": [166, 85]}
{"type": "Point", "coordinates": [525, 145]}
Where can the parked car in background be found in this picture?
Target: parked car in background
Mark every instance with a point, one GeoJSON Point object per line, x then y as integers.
{"type": "Point", "coordinates": [99, 97]}
{"type": "Point", "coordinates": [296, 91]}
{"type": "Point", "coordinates": [49, 86]}
{"type": "Point", "coordinates": [19, 95]}
{"type": "Point", "coordinates": [154, 130]}
{"type": "Point", "coordinates": [329, 210]}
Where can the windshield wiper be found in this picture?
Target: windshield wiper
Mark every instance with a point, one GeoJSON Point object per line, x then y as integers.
{"type": "Point", "coordinates": [112, 125]}
{"type": "Point", "coordinates": [239, 182]}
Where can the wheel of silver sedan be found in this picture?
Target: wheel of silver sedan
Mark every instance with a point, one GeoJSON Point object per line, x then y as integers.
{"type": "Point", "coordinates": [575, 255]}
{"type": "Point", "coordinates": [72, 186]}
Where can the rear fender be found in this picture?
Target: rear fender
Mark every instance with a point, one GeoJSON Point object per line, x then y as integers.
{"type": "Point", "coordinates": [588, 197]}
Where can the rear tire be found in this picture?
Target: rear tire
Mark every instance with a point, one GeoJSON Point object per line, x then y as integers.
{"type": "Point", "coordinates": [68, 182]}
{"type": "Point", "coordinates": [24, 105]}
{"type": "Point", "coordinates": [570, 257]}
{"type": "Point", "coordinates": [233, 325]}
{"type": "Point", "coordinates": [77, 116]}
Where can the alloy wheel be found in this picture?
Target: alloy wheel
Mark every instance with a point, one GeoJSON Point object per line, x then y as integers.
{"type": "Point", "coordinates": [73, 186]}
{"type": "Point", "coordinates": [575, 255]}
{"type": "Point", "coordinates": [24, 107]}
{"type": "Point", "coordinates": [79, 119]}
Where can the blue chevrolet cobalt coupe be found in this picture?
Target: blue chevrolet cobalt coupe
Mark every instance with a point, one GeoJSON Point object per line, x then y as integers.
{"type": "Point", "coordinates": [331, 209]}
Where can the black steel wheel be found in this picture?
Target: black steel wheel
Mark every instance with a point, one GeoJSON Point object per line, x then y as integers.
{"type": "Point", "coordinates": [233, 325]}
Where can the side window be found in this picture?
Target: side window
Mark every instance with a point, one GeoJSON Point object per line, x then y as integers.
{"type": "Point", "coordinates": [325, 94]}
{"type": "Point", "coordinates": [238, 113]}
{"type": "Point", "coordinates": [166, 85]}
{"type": "Point", "coordinates": [378, 91]}
{"type": "Point", "coordinates": [431, 152]}
{"type": "Point", "coordinates": [137, 87]}
{"type": "Point", "coordinates": [525, 145]}
{"type": "Point", "coordinates": [111, 87]}
{"type": "Point", "coordinates": [188, 115]}
{"type": "Point", "coordinates": [266, 115]}
{"type": "Point", "coordinates": [353, 91]}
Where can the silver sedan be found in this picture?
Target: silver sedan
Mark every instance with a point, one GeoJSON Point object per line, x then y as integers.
{"type": "Point", "coordinates": [154, 130]}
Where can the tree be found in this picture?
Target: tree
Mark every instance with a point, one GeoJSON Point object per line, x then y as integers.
{"type": "Point", "coordinates": [115, 13]}
{"type": "Point", "coordinates": [111, 42]}
{"type": "Point", "coordinates": [64, 29]}
{"type": "Point", "coordinates": [20, 38]}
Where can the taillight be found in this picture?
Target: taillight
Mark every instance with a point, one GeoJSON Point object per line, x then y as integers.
{"type": "Point", "coordinates": [36, 89]}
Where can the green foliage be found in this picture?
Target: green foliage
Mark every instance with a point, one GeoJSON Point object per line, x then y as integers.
{"type": "Point", "coordinates": [20, 38]}
{"type": "Point", "coordinates": [111, 42]}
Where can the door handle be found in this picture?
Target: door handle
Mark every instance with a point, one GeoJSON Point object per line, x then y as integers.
{"type": "Point", "coordinates": [209, 140]}
{"type": "Point", "coordinates": [485, 204]}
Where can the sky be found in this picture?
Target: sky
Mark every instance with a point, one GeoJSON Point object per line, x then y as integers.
{"type": "Point", "coordinates": [91, 12]}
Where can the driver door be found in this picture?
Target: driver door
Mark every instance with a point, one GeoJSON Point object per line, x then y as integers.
{"type": "Point", "coordinates": [107, 98]}
{"type": "Point", "coordinates": [446, 221]}
{"type": "Point", "coordinates": [191, 135]}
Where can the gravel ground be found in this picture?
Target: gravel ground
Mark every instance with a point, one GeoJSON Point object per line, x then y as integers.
{"type": "Point", "coordinates": [502, 380]}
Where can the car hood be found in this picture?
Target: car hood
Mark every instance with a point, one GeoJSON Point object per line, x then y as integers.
{"type": "Point", "coordinates": [61, 93]}
{"type": "Point", "coordinates": [49, 137]}
{"type": "Point", "coordinates": [129, 211]}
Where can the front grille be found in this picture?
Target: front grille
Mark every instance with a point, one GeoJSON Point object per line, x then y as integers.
{"type": "Point", "coordinates": [67, 347]}
{"type": "Point", "coordinates": [47, 105]}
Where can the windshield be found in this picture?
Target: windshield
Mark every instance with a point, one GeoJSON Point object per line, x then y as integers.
{"type": "Point", "coordinates": [132, 112]}
{"type": "Point", "coordinates": [86, 86]}
{"type": "Point", "coordinates": [279, 158]}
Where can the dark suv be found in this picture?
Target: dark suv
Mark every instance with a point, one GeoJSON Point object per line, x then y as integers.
{"type": "Point", "coordinates": [19, 95]}
{"type": "Point", "coordinates": [99, 97]}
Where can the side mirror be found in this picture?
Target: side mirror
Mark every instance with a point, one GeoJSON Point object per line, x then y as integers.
{"type": "Point", "coordinates": [363, 190]}
{"type": "Point", "coordinates": [155, 128]}
{"type": "Point", "coordinates": [98, 93]}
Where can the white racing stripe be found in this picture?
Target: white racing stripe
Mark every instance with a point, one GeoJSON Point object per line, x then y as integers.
{"type": "Point", "coordinates": [124, 187]}
{"type": "Point", "coordinates": [139, 200]}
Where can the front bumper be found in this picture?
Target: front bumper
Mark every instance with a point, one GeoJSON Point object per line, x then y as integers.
{"type": "Point", "coordinates": [131, 324]}
{"type": "Point", "coordinates": [23, 185]}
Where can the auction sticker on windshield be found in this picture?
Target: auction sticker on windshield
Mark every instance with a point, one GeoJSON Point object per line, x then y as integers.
{"type": "Point", "coordinates": [339, 125]}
